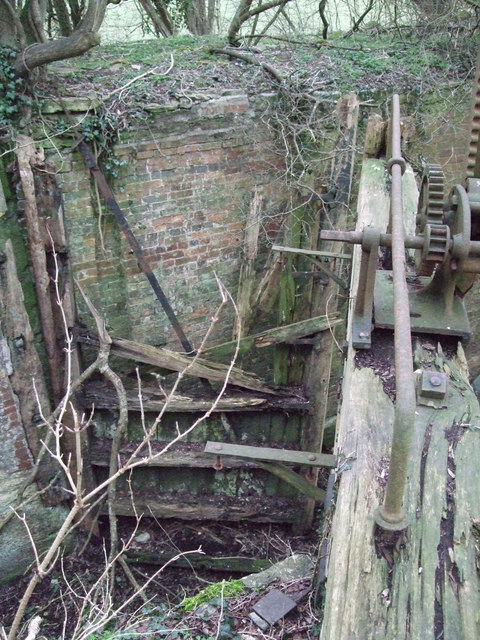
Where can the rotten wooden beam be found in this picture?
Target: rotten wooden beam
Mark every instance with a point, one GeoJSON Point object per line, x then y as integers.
{"type": "Point", "coordinates": [325, 362]}
{"type": "Point", "coordinates": [232, 564]}
{"type": "Point", "coordinates": [278, 335]}
{"type": "Point", "coordinates": [375, 136]}
{"type": "Point", "coordinates": [423, 583]}
{"type": "Point", "coordinates": [102, 397]}
{"type": "Point", "coordinates": [173, 361]}
{"type": "Point", "coordinates": [199, 507]}
{"type": "Point", "coordinates": [187, 455]}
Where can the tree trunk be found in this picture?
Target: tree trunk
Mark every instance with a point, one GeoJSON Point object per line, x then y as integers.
{"type": "Point", "coordinates": [423, 583]}
{"type": "Point", "coordinates": [158, 14]}
{"type": "Point", "coordinates": [17, 33]}
{"type": "Point", "coordinates": [63, 17]}
{"type": "Point", "coordinates": [26, 155]}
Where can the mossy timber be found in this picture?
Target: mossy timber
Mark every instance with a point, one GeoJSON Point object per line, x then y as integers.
{"type": "Point", "coordinates": [423, 583]}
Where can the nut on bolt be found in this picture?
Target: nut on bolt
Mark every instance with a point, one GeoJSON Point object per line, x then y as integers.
{"type": "Point", "coordinates": [433, 384]}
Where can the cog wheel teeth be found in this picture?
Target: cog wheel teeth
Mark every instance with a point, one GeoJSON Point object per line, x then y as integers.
{"type": "Point", "coordinates": [430, 205]}
{"type": "Point", "coordinates": [435, 250]}
{"type": "Point", "coordinates": [473, 160]}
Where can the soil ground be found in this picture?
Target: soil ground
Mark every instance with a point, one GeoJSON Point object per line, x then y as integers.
{"type": "Point", "coordinates": [60, 594]}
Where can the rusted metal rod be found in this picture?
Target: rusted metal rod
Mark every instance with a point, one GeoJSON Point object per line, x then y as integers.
{"type": "Point", "coordinates": [391, 514]}
{"type": "Point", "coordinates": [411, 242]}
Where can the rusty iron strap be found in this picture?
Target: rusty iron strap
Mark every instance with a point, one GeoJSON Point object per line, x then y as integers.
{"type": "Point", "coordinates": [143, 263]}
{"type": "Point", "coordinates": [113, 205]}
{"type": "Point", "coordinates": [391, 514]}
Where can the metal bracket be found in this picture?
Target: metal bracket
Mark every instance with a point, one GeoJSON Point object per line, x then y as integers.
{"type": "Point", "coordinates": [428, 313]}
{"type": "Point", "coordinates": [362, 316]}
{"type": "Point", "coordinates": [273, 461]}
{"type": "Point", "coordinates": [271, 608]}
{"type": "Point", "coordinates": [268, 454]}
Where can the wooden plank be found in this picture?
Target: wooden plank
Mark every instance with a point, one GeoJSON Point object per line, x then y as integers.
{"type": "Point", "coordinates": [304, 458]}
{"type": "Point", "coordinates": [231, 564]}
{"type": "Point", "coordinates": [189, 455]}
{"type": "Point", "coordinates": [276, 336]}
{"type": "Point", "coordinates": [319, 379]}
{"type": "Point", "coordinates": [247, 267]}
{"type": "Point", "coordinates": [375, 136]}
{"type": "Point", "coordinates": [287, 296]}
{"type": "Point", "coordinates": [312, 252]}
{"type": "Point", "coordinates": [429, 581]}
{"type": "Point", "coordinates": [103, 397]}
{"type": "Point", "coordinates": [198, 508]}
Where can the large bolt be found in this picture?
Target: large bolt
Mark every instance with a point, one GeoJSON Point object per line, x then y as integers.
{"type": "Point", "coordinates": [435, 381]}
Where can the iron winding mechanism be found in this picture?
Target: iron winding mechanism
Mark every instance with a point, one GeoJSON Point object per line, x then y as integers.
{"type": "Point", "coordinates": [447, 259]}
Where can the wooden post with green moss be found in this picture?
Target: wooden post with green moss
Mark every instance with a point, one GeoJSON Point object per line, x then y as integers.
{"type": "Point", "coordinates": [325, 299]}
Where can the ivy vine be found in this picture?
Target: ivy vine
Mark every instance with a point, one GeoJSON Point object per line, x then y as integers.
{"type": "Point", "coordinates": [12, 90]}
{"type": "Point", "coordinates": [102, 130]}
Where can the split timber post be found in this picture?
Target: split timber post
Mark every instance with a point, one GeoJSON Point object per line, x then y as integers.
{"type": "Point", "coordinates": [423, 583]}
{"type": "Point", "coordinates": [328, 300]}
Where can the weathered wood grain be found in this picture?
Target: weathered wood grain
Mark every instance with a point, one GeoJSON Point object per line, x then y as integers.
{"type": "Point", "coordinates": [103, 397]}
{"type": "Point", "coordinates": [173, 361]}
{"type": "Point", "coordinates": [276, 335]}
{"type": "Point", "coordinates": [266, 510]}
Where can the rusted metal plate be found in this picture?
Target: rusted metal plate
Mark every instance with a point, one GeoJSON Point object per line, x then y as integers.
{"type": "Point", "coordinates": [287, 456]}
{"type": "Point", "coordinates": [426, 314]}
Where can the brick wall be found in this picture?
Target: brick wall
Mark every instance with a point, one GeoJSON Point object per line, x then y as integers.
{"type": "Point", "coordinates": [185, 188]}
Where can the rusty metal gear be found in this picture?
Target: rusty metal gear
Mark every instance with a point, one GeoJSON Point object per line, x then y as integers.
{"type": "Point", "coordinates": [473, 153]}
{"type": "Point", "coordinates": [435, 248]}
{"type": "Point", "coordinates": [430, 203]}
{"type": "Point", "coordinates": [430, 221]}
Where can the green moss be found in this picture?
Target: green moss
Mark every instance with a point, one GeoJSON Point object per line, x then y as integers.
{"type": "Point", "coordinates": [10, 230]}
{"type": "Point", "coordinates": [222, 589]}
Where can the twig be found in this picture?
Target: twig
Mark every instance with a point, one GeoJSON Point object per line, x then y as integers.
{"type": "Point", "coordinates": [220, 616]}
{"type": "Point", "coordinates": [81, 501]}
{"type": "Point", "coordinates": [132, 579]}
{"type": "Point", "coordinates": [233, 53]}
